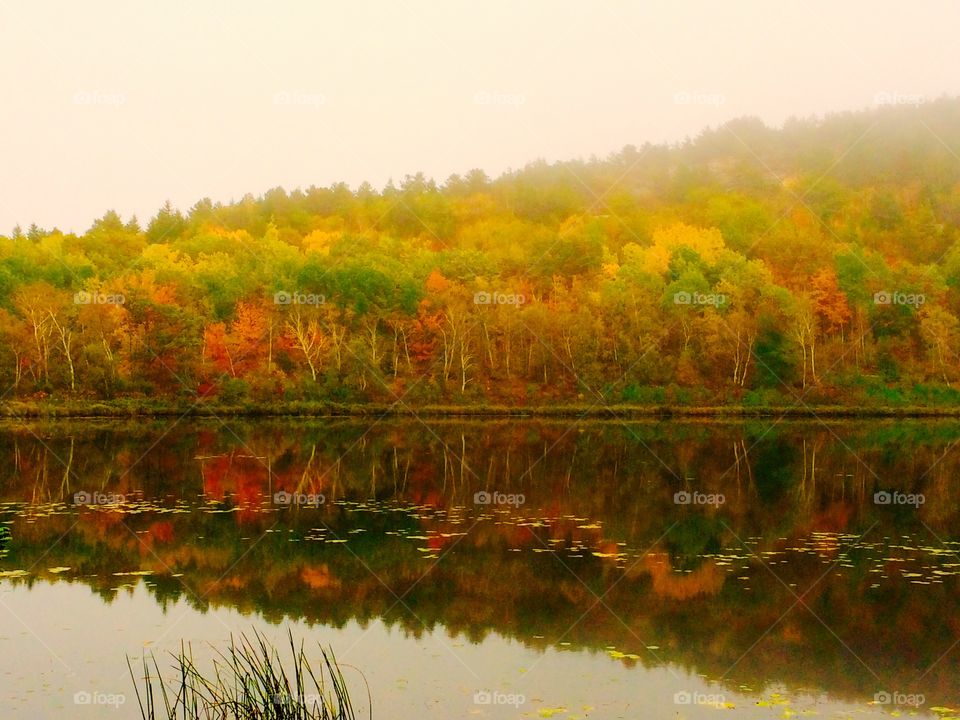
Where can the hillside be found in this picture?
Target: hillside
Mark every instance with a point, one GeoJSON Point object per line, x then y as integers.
{"type": "Point", "coordinates": [816, 263]}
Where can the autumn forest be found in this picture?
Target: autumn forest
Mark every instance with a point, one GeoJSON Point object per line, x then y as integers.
{"type": "Point", "coordinates": [817, 263]}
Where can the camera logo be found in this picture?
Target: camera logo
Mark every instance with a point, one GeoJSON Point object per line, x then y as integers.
{"type": "Point", "coordinates": [885, 497]}
{"type": "Point", "coordinates": [486, 97]}
{"type": "Point", "coordinates": [885, 297]}
{"type": "Point", "coordinates": [492, 697]}
{"type": "Point", "coordinates": [887, 97]}
{"type": "Point", "coordinates": [498, 498]}
{"type": "Point", "coordinates": [685, 497]}
{"type": "Point", "coordinates": [98, 298]}
{"type": "Point", "coordinates": [299, 99]}
{"type": "Point", "coordinates": [498, 298]}
{"type": "Point", "coordinates": [685, 697]}
{"type": "Point", "coordinates": [282, 497]}
{"type": "Point", "coordinates": [97, 498]}
{"type": "Point", "coordinates": [898, 698]}
{"type": "Point", "coordinates": [685, 97]}
{"type": "Point", "coordinates": [284, 297]}
{"type": "Point", "coordinates": [84, 697]}
{"type": "Point", "coordinates": [95, 97]}
{"type": "Point", "coordinates": [697, 298]}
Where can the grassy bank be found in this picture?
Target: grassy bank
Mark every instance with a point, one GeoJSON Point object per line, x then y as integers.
{"type": "Point", "coordinates": [127, 408]}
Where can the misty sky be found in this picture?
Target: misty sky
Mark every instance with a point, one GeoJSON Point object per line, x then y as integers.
{"type": "Point", "coordinates": [126, 104]}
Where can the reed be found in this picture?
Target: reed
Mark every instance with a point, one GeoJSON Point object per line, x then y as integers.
{"type": "Point", "coordinates": [249, 681]}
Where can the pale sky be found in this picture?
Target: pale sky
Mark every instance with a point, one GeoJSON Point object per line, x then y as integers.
{"type": "Point", "coordinates": [124, 105]}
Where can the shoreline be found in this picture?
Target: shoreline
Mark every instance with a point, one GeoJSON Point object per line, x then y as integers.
{"type": "Point", "coordinates": [145, 409]}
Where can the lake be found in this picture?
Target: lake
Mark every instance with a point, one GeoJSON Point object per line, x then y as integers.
{"type": "Point", "coordinates": [492, 568]}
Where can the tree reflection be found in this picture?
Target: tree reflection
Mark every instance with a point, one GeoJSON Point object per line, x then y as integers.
{"type": "Point", "coordinates": [797, 576]}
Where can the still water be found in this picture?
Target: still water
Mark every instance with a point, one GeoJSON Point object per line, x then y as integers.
{"type": "Point", "coordinates": [493, 569]}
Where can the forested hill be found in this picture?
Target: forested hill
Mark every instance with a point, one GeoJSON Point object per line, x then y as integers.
{"type": "Point", "coordinates": [815, 263]}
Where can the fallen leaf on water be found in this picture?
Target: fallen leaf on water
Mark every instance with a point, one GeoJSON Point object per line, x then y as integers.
{"type": "Point", "coordinates": [550, 712]}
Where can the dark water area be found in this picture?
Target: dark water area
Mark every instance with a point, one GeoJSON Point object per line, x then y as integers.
{"type": "Point", "coordinates": [495, 568]}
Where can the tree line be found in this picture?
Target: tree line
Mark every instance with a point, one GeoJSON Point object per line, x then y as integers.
{"type": "Point", "coordinates": [817, 262]}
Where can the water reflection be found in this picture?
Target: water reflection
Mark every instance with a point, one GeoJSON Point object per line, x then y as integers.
{"type": "Point", "coordinates": [822, 557]}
